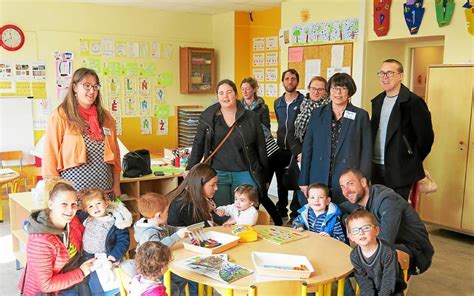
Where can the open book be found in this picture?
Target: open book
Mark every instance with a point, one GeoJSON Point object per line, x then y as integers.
{"type": "Point", "coordinates": [215, 266]}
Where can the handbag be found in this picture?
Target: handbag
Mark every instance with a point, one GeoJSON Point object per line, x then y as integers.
{"type": "Point", "coordinates": [291, 174]}
{"type": "Point", "coordinates": [136, 163]}
{"type": "Point", "coordinates": [427, 184]}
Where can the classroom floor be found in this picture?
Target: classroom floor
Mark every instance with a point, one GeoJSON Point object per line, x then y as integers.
{"type": "Point", "coordinates": [452, 271]}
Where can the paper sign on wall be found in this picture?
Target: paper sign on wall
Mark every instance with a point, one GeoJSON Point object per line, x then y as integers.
{"type": "Point", "coordinates": [259, 59]}
{"type": "Point", "coordinates": [295, 54]}
{"type": "Point", "coordinates": [258, 74]}
{"type": "Point", "coordinates": [258, 44]}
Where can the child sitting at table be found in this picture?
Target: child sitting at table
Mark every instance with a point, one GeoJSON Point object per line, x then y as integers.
{"type": "Point", "coordinates": [320, 215]}
{"type": "Point", "coordinates": [243, 210]}
{"type": "Point", "coordinates": [376, 267]}
{"type": "Point", "coordinates": [151, 260]}
{"type": "Point", "coordinates": [152, 227]}
{"type": "Point", "coordinates": [105, 238]}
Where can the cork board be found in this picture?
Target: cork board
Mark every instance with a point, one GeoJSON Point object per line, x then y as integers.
{"type": "Point", "coordinates": [323, 53]}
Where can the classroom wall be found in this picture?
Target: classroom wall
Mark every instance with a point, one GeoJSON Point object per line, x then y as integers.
{"type": "Point", "coordinates": [58, 26]}
{"type": "Point", "coordinates": [223, 38]}
{"type": "Point", "coordinates": [326, 10]}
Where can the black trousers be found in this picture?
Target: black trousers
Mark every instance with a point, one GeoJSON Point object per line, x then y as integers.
{"type": "Point", "coordinates": [378, 177]}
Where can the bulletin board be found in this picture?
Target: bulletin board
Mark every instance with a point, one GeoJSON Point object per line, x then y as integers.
{"type": "Point", "coordinates": [324, 53]}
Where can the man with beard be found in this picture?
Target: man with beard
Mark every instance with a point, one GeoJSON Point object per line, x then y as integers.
{"type": "Point", "coordinates": [285, 111]}
{"type": "Point", "coordinates": [399, 223]}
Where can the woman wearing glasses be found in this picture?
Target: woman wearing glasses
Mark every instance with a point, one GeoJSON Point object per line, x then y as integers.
{"type": "Point", "coordinates": [81, 139]}
{"type": "Point", "coordinates": [242, 157]}
{"type": "Point", "coordinates": [338, 137]}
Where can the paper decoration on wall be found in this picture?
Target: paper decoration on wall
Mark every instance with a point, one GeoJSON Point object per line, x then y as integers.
{"type": "Point", "coordinates": [7, 83]}
{"type": "Point", "coordinates": [258, 44]}
{"type": "Point", "coordinates": [305, 15]}
{"type": "Point", "coordinates": [166, 51]}
{"type": "Point", "coordinates": [114, 104]}
{"type": "Point", "coordinates": [338, 30]}
{"type": "Point", "coordinates": [271, 43]}
{"type": "Point", "coordinates": [130, 85]}
{"type": "Point", "coordinates": [64, 71]}
{"type": "Point", "coordinates": [469, 13]}
{"type": "Point", "coordinates": [271, 89]}
{"type": "Point", "coordinates": [271, 59]}
{"type": "Point", "coordinates": [131, 106]}
{"type": "Point", "coordinates": [444, 11]}
{"type": "Point", "coordinates": [271, 74]}
{"type": "Point", "coordinates": [413, 11]}
{"type": "Point", "coordinates": [258, 74]}
{"type": "Point", "coordinates": [165, 79]}
{"type": "Point", "coordinates": [331, 71]}
{"type": "Point", "coordinates": [144, 86]}
{"type": "Point", "coordinates": [118, 120]}
{"type": "Point", "coordinates": [312, 68]}
{"type": "Point", "coordinates": [108, 47]}
{"type": "Point", "coordinates": [113, 86]}
{"type": "Point", "coordinates": [145, 106]}
{"type": "Point", "coordinates": [38, 71]}
{"type": "Point", "coordinates": [162, 129]}
{"type": "Point", "coordinates": [111, 68]}
{"type": "Point", "coordinates": [92, 63]}
{"type": "Point", "coordinates": [295, 54]}
{"type": "Point", "coordinates": [144, 50]}
{"type": "Point", "coordinates": [162, 112]}
{"type": "Point", "coordinates": [155, 50]}
{"type": "Point", "coordinates": [120, 49]}
{"type": "Point", "coordinates": [133, 49]}
{"type": "Point", "coordinates": [382, 17]}
{"type": "Point", "coordinates": [261, 90]}
{"type": "Point", "coordinates": [145, 125]}
{"type": "Point", "coordinates": [148, 69]}
{"type": "Point", "coordinates": [161, 96]}
{"type": "Point", "coordinates": [40, 114]}
{"type": "Point", "coordinates": [258, 60]}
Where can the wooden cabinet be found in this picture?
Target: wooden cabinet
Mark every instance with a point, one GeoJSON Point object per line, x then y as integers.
{"type": "Point", "coordinates": [197, 72]}
{"type": "Point", "coordinates": [449, 95]}
{"type": "Point", "coordinates": [22, 204]}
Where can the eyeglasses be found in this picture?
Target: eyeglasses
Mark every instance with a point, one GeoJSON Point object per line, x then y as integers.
{"type": "Point", "coordinates": [365, 228]}
{"type": "Point", "coordinates": [389, 74]}
{"type": "Point", "coordinates": [339, 89]}
{"type": "Point", "coordinates": [88, 86]}
{"type": "Point", "coordinates": [314, 89]}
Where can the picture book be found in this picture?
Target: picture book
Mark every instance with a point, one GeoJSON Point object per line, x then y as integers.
{"type": "Point", "coordinates": [216, 267]}
{"type": "Point", "coordinates": [279, 235]}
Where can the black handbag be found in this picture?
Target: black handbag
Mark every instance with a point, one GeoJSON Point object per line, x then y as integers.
{"type": "Point", "coordinates": [136, 163]}
{"type": "Point", "coordinates": [291, 174]}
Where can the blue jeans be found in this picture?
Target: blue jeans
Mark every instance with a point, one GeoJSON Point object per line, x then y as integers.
{"type": "Point", "coordinates": [226, 184]}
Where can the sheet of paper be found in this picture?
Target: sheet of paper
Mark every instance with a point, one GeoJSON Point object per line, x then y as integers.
{"type": "Point", "coordinates": [332, 71]}
{"type": "Point", "coordinates": [271, 89]}
{"type": "Point", "coordinates": [312, 68]}
{"type": "Point", "coordinates": [337, 56]}
{"type": "Point", "coordinates": [258, 59]}
{"type": "Point", "coordinates": [271, 74]}
{"type": "Point", "coordinates": [271, 43]}
{"type": "Point", "coordinates": [145, 125]}
{"type": "Point", "coordinates": [295, 54]}
{"type": "Point", "coordinates": [258, 43]}
{"type": "Point", "coordinates": [258, 74]}
{"type": "Point", "coordinates": [271, 59]}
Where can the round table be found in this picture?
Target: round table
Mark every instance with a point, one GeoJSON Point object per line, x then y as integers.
{"type": "Point", "coordinates": [329, 257]}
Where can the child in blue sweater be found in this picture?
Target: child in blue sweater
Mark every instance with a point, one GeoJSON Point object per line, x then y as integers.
{"type": "Point", "coordinates": [320, 215]}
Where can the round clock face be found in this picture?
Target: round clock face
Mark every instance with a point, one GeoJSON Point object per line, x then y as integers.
{"type": "Point", "coordinates": [12, 37]}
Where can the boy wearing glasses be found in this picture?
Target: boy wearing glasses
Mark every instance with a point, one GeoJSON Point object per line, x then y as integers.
{"type": "Point", "coordinates": [376, 267]}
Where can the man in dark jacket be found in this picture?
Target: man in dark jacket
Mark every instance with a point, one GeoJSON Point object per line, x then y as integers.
{"type": "Point", "coordinates": [402, 132]}
{"type": "Point", "coordinates": [286, 108]}
{"type": "Point", "coordinates": [399, 223]}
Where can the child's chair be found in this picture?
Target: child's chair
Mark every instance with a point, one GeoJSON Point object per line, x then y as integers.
{"type": "Point", "coordinates": [283, 288]}
{"type": "Point", "coordinates": [404, 261]}
{"type": "Point", "coordinates": [263, 218]}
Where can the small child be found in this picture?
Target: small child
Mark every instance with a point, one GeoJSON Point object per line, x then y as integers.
{"type": "Point", "coordinates": [243, 210]}
{"type": "Point", "coordinates": [320, 215]}
{"type": "Point", "coordinates": [376, 267]}
{"type": "Point", "coordinates": [151, 260]}
{"type": "Point", "coordinates": [105, 238]}
{"type": "Point", "coordinates": [152, 227]}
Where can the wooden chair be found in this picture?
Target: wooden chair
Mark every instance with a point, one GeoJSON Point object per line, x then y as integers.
{"type": "Point", "coordinates": [17, 156]}
{"type": "Point", "coordinates": [263, 218]}
{"type": "Point", "coordinates": [404, 261]}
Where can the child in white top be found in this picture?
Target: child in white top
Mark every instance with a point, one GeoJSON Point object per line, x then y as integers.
{"type": "Point", "coordinates": [243, 210]}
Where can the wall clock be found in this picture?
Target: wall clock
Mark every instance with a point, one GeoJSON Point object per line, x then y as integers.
{"type": "Point", "coordinates": [11, 37]}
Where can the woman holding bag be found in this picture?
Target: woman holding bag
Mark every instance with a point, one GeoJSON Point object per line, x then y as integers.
{"type": "Point", "coordinates": [234, 139]}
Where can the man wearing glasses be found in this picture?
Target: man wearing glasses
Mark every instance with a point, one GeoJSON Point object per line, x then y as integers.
{"type": "Point", "coordinates": [399, 223]}
{"type": "Point", "coordinates": [401, 124]}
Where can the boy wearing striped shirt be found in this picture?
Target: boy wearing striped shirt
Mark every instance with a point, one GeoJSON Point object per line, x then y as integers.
{"type": "Point", "coordinates": [320, 215]}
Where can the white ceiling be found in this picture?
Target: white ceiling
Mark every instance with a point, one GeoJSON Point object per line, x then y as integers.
{"type": "Point", "coordinates": [209, 7]}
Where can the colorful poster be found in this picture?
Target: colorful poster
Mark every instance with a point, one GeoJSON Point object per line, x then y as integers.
{"type": "Point", "coordinates": [144, 86]}
{"type": "Point", "coordinates": [113, 86]}
{"type": "Point", "coordinates": [38, 71]}
{"type": "Point", "coordinates": [130, 85]}
{"type": "Point", "coordinates": [131, 108]}
{"type": "Point", "coordinates": [162, 129]}
{"type": "Point", "coordinates": [165, 79]}
{"type": "Point", "coordinates": [145, 106]}
{"type": "Point", "coordinates": [7, 82]}
{"type": "Point", "coordinates": [161, 95]}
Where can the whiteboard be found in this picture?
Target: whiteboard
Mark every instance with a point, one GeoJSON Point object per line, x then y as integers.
{"type": "Point", "coordinates": [16, 128]}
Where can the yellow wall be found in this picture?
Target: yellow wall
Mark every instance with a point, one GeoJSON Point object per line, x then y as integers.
{"type": "Point", "coordinates": [223, 38]}
{"type": "Point", "coordinates": [265, 23]}
{"type": "Point", "coordinates": [52, 26]}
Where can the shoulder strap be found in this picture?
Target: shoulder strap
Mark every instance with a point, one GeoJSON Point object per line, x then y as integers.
{"type": "Point", "coordinates": [220, 144]}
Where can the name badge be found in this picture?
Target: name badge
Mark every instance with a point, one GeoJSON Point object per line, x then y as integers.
{"type": "Point", "coordinates": [349, 115]}
{"type": "Point", "coordinates": [107, 131]}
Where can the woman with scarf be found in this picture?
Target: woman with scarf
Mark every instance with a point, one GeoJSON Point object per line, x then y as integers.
{"type": "Point", "coordinates": [81, 139]}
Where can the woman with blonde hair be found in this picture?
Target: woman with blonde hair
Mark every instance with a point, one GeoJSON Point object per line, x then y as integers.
{"type": "Point", "coordinates": [81, 139]}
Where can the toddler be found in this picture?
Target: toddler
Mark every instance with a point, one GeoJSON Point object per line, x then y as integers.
{"type": "Point", "coordinates": [105, 238]}
{"type": "Point", "coordinates": [243, 210]}
{"type": "Point", "coordinates": [152, 227]}
{"type": "Point", "coordinates": [151, 261]}
{"type": "Point", "coordinates": [376, 267]}
{"type": "Point", "coordinates": [320, 215]}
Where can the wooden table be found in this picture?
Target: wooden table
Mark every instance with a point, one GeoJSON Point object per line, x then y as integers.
{"type": "Point", "coordinates": [4, 179]}
{"type": "Point", "coordinates": [329, 257]}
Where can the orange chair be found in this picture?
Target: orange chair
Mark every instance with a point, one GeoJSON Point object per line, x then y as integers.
{"type": "Point", "coordinates": [263, 218]}
{"type": "Point", "coordinates": [17, 156]}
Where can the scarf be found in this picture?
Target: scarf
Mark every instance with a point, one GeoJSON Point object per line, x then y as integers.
{"type": "Point", "coordinates": [91, 118]}
{"type": "Point", "coordinates": [255, 104]}
{"type": "Point", "coordinates": [306, 108]}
